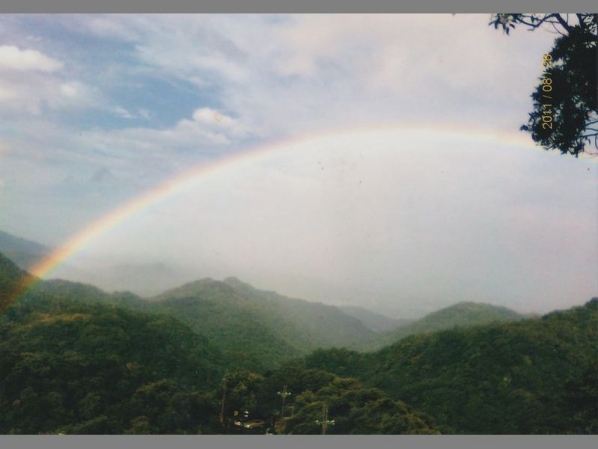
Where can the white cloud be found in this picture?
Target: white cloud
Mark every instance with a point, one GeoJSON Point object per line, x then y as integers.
{"type": "Point", "coordinates": [213, 119]}
{"type": "Point", "coordinates": [68, 89]}
{"type": "Point", "coordinates": [299, 74]}
{"type": "Point", "coordinates": [33, 92]}
{"type": "Point", "coordinates": [13, 58]}
{"type": "Point", "coordinates": [6, 93]}
{"type": "Point", "coordinates": [328, 217]}
{"type": "Point", "coordinates": [144, 113]}
{"type": "Point", "coordinates": [122, 112]}
{"type": "Point", "coordinates": [207, 131]}
{"type": "Point", "coordinates": [307, 73]}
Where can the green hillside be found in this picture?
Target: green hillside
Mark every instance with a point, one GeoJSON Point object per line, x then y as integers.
{"type": "Point", "coordinates": [356, 408]}
{"type": "Point", "coordinates": [258, 329]}
{"type": "Point", "coordinates": [463, 314]}
{"type": "Point", "coordinates": [535, 376]}
{"type": "Point", "coordinates": [61, 289]}
{"type": "Point", "coordinates": [21, 251]}
{"type": "Point", "coordinates": [72, 366]}
{"type": "Point", "coordinates": [257, 325]}
{"type": "Point", "coordinates": [76, 360]}
{"type": "Point", "coordinates": [310, 325]}
{"type": "Point", "coordinates": [12, 281]}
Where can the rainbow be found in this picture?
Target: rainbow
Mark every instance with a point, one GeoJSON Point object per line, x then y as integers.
{"type": "Point", "coordinates": [170, 188]}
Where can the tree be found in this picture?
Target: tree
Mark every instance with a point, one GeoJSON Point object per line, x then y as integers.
{"type": "Point", "coordinates": [565, 102]}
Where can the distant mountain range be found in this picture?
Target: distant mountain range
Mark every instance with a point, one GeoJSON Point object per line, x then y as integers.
{"type": "Point", "coordinates": [293, 325]}
{"type": "Point", "coordinates": [76, 359]}
{"type": "Point", "coordinates": [530, 376]}
{"type": "Point", "coordinates": [144, 278]}
{"type": "Point", "coordinates": [265, 324]}
{"type": "Point", "coordinates": [264, 328]}
{"type": "Point", "coordinates": [22, 251]}
{"type": "Point", "coordinates": [463, 314]}
{"type": "Point", "coordinates": [374, 321]}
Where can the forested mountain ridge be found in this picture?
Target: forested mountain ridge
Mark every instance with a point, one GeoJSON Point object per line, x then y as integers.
{"type": "Point", "coordinates": [258, 329]}
{"type": "Point", "coordinates": [74, 359]}
{"type": "Point", "coordinates": [21, 251]}
{"type": "Point", "coordinates": [246, 320]}
{"type": "Point", "coordinates": [527, 377]}
{"type": "Point", "coordinates": [13, 281]}
{"type": "Point", "coordinates": [462, 314]}
{"type": "Point", "coordinates": [75, 366]}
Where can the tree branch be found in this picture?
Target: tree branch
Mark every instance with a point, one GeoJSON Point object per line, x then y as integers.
{"type": "Point", "coordinates": [563, 23]}
{"type": "Point", "coordinates": [556, 29]}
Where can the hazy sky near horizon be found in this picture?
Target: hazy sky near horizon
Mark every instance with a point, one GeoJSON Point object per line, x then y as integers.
{"type": "Point", "coordinates": [396, 174]}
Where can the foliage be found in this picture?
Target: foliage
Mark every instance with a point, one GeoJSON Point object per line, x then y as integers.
{"type": "Point", "coordinates": [74, 359]}
{"type": "Point", "coordinates": [13, 281]}
{"type": "Point", "coordinates": [354, 408]}
{"type": "Point", "coordinates": [259, 329]}
{"type": "Point", "coordinates": [75, 367]}
{"type": "Point", "coordinates": [565, 102]}
{"type": "Point", "coordinates": [535, 376]}
{"type": "Point", "coordinates": [463, 314]}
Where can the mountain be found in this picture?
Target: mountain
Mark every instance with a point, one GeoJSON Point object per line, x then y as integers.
{"type": "Point", "coordinates": [145, 279]}
{"type": "Point", "coordinates": [533, 376]}
{"type": "Point", "coordinates": [257, 329]}
{"type": "Point", "coordinates": [77, 360]}
{"type": "Point", "coordinates": [22, 251]}
{"type": "Point", "coordinates": [463, 314]}
{"type": "Point", "coordinates": [259, 325]}
{"type": "Point", "coordinates": [373, 320]}
{"type": "Point", "coordinates": [74, 359]}
{"type": "Point", "coordinates": [311, 324]}
{"type": "Point", "coordinates": [96, 368]}
{"type": "Point", "coordinates": [356, 408]}
{"type": "Point", "coordinates": [13, 280]}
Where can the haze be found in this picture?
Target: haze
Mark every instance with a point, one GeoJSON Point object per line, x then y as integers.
{"type": "Point", "coordinates": [395, 176]}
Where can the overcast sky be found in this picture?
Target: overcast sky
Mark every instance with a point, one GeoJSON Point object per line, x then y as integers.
{"type": "Point", "coordinates": [395, 177]}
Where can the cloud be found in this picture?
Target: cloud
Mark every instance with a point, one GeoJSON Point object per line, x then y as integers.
{"type": "Point", "coordinates": [100, 175]}
{"type": "Point", "coordinates": [33, 91]}
{"type": "Point", "coordinates": [155, 95]}
{"type": "Point", "coordinates": [389, 215]}
{"type": "Point", "coordinates": [144, 113]}
{"type": "Point", "coordinates": [13, 58]}
{"type": "Point", "coordinates": [299, 74]}
{"type": "Point", "coordinates": [6, 94]}
{"type": "Point", "coordinates": [122, 112]}
{"type": "Point", "coordinates": [68, 89]}
{"type": "Point", "coordinates": [205, 134]}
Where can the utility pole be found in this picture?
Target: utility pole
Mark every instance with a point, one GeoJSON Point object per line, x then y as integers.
{"type": "Point", "coordinates": [284, 393]}
{"type": "Point", "coordinates": [325, 421]}
{"type": "Point", "coordinates": [221, 416]}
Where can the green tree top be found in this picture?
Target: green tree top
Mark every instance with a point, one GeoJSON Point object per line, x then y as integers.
{"type": "Point", "coordinates": [565, 102]}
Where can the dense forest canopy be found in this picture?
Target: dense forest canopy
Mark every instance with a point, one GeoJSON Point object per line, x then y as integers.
{"type": "Point", "coordinates": [74, 359]}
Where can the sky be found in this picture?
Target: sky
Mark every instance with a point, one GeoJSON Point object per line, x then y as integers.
{"type": "Point", "coordinates": [370, 160]}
